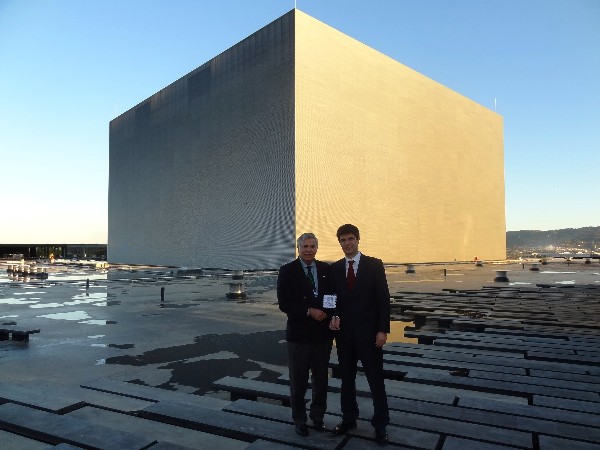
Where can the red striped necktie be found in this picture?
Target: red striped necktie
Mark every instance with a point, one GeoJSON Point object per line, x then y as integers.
{"type": "Point", "coordinates": [350, 277]}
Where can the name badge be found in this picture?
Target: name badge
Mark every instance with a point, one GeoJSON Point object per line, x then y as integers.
{"type": "Point", "coordinates": [329, 301]}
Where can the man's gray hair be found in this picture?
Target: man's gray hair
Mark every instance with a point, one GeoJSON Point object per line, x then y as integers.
{"type": "Point", "coordinates": [306, 236]}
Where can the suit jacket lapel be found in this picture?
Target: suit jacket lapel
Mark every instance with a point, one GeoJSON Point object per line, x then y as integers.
{"type": "Point", "coordinates": [341, 276]}
{"type": "Point", "coordinates": [308, 289]}
{"type": "Point", "coordinates": [363, 269]}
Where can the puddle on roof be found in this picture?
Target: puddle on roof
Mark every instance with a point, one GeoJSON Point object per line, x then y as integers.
{"type": "Point", "coordinates": [84, 301]}
{"type": "Point", "coordinates": [46, 305]}
{"type": "Point", "coordinates": [76, 276]}
{"type": "Point", "coordinates": [211, 357]}
{"type": "Point", "coordinates": [176, 305]}
{"type": "Point", "coordinates": [119, 346]}
{"type": "Point", "coordinates": [81, 316]}
{"type": "Point", "coordinates": [99, 322]}
{"type": "Point", "coordinates": [79, 299]}
{"type": "Point", "coordinates": [92, 296]}
{"type": "Point", "coordinates": [551, 272]}
{"type": "Point", "coordinates": [111, 303]}
{"type": "Point", "coordinates": [73, 315]}
{"type": "Point", "coordinates": [16, 301]}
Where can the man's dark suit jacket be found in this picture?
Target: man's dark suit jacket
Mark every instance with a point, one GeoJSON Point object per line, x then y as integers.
{"type": "Point", "coordinates": [365, 310]}
{"type": "Point", "coordinates": [295, 295]}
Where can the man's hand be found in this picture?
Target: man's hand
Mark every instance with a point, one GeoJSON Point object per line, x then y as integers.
{"type": "Point", "coordinates": [334, 323]}
{"type": "Point", "coordinates": [380, 339]}
{"type": "Point", "coordinates": [317, 314]}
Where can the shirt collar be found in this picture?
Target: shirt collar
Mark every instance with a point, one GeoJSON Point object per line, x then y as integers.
{"type": "Point", "coordinates": [313, 264]}
{"type": "Point", "coordinates": [356, 258]}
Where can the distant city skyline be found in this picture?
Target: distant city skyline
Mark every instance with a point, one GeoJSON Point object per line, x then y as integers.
{"type": "Point", "coordinates": [70, 67]}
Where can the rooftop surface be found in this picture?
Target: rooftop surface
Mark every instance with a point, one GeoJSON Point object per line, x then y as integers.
{"type": "Point", "coordinates": [142, 357]}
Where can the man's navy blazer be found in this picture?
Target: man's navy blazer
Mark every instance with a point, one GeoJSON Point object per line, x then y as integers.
{"type": "Point", "coordinates": [365, 310]}
{"type": "Point", "coordinates": [295, 295]}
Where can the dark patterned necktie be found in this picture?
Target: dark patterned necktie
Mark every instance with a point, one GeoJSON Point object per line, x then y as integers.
{"type": "Point", "coordinates": [350, 277]}
{"type": "Point", "coordinates": [310, 276]}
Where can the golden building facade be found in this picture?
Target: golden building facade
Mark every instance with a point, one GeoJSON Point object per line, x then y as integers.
{"type": "Point", "coordinates": [416, 166]}
{"type": "Point", "coordinates": [301, 128]}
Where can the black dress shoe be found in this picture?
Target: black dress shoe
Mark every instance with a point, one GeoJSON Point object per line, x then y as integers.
{"type": "Point", "coordinates": [381, 436]}
{"type": "Point", "coordinates": [302, 429]}
{"type": "Point", "coordinates": [344, 426]}
{"type": "Point", "coordinates": [318, 425]}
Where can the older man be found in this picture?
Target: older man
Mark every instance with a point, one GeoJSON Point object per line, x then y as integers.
{"type": "Point", "coordinates": [301, 287]}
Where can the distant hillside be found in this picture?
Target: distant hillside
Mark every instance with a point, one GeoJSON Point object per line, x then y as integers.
{"type": "Point", "coordinates": [585, 238]}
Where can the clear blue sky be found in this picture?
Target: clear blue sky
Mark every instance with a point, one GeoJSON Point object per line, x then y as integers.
{"type": "Point", "coordinates": [68, 67]}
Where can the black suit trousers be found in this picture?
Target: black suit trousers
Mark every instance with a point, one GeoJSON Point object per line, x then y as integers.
{"type": "Point", "coordinates": [350, 351]}
{"type": "Point", "coordinates": [303, 358]}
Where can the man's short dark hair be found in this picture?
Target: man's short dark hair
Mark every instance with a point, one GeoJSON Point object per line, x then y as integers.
{"type": "Point", "coordinates": [348, 228]}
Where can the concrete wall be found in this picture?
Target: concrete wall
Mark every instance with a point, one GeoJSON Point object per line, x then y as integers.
{"type": "Point", "coordinates": [416, 166]}
{"type": "Point", "coordinates": [202, 172]}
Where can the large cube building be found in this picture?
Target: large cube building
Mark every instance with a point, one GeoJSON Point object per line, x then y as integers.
{"type": "Point", "coordinates": [301, 128]}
